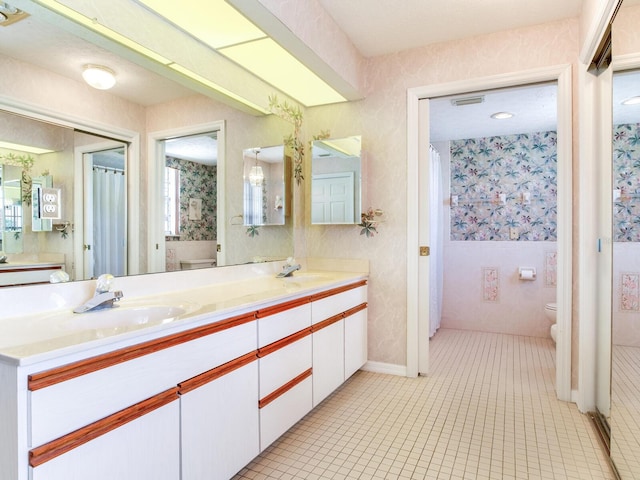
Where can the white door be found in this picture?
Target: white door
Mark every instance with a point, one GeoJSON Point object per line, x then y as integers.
{"type": "Point", "coordinates": [333, 198]}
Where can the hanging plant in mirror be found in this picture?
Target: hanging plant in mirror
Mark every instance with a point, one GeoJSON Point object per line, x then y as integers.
{"type": "Point", "coordinates": [293, 115]}
{"type": "Point", "coordinates": [370, 221]}
{"type": "Point", "coordinates": [252, 231]}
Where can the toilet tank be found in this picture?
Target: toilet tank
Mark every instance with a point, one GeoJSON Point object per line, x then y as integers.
{"type": "Point", "coordinates": [199, 263]}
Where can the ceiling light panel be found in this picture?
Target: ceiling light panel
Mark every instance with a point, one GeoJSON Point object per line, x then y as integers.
{"type": "Point", "coordinates": [213, 22]}
{"type": "Point", "coordinates": [269, 61]}
{"type": "Point", "coordinates": [25, 148]}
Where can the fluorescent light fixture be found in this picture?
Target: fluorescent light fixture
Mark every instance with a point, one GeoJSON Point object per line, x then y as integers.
{"type": "Point", "coordinates": [461, 102]}
{"type": "Point", "coordinates": [632, 101]}
{"type": "Point", "coordinates": [208, 83]}
{"type": "Point", "coordinates": [269, 61]}
{"type": "Point", "coordinates": [221, 27]}
{"type": "Point", "coordinates": [501, 115]}
{"type": "Point", "coordinates": [25, 148]}
{"type": "Point", "coordinates": [99, 77]}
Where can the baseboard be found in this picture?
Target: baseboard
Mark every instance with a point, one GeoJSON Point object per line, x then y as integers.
{"type": "Point", "coordinates": [388, 368]}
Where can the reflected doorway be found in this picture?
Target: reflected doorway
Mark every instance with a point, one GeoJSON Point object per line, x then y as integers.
{"type": "Point", "coordinates": [104, 211]}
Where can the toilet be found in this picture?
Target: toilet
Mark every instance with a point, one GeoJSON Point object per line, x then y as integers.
{"type": "Point", "coordinates": [550, 310]}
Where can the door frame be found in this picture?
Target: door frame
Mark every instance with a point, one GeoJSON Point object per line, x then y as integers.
{"type": "Point", "coordinates": [417, 217]}
{"type": "Point", "coordinates": [156, 256]}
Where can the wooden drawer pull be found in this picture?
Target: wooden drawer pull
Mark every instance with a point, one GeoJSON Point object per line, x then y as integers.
{"type": "Point", "coordinates": [76, 369]}
{"type": "Point", "coordinates": [327, 322]}
{"type": "Point", "coordinates": [337, 290]}
{"type": "Point", "coordinates": [354, 310]}
{"type": "Point", "coordinates": [283, 389]}
{"type": "Point", "coordinates": [64, 444]}
{"type": "Point", "coordinates": [216, 373]}
{"type": "Point", "coordinates": [282, 307]}
{"type": "Point", "coordinates": [283, 342]}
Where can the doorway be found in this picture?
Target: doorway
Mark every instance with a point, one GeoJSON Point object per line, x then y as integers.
{"type": "Point", "coordinates": [418, 264]}
{"type": "Point", "coordinates": [197, 145]}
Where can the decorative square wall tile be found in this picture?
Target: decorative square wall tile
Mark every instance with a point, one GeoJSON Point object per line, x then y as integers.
{"type": "Point", "coordinates": [629, 292]}
{"type": "Point", "coordinates": [550, 269]}
{"type": "Point", "coordinates": [490, 284]}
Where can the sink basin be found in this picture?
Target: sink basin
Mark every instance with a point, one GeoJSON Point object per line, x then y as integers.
{"type": "Point", "coordinates": [127, 317]}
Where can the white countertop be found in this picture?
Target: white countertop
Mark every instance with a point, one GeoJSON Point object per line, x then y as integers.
{"type": "Point", "coordinates": [45, 335]}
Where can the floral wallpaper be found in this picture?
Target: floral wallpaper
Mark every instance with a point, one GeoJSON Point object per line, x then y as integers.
{"type": "Point", "coordinates": [504, 185]}
{"type": "Point", "coordinates": [626, 182]}
{"type": "Point", "coordinates": [197, 181]}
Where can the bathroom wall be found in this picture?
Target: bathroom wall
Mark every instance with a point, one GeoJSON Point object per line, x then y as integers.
{"type": "Point", "coordinates": [381, 119]}
{"type": "Point", "coordinates": [482, 291]}
{"type": "Point", "coordinates": [626, 234]}
{"type": "Point", "coordinates": [482, 169]}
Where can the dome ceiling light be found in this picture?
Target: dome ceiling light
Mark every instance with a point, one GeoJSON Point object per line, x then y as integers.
{"type": "Point", "coordinates": [501, 115]}
{"type": "Point", "coordinates": [99, 77]}
{"type": "Point", "coordinates": [632, 101]}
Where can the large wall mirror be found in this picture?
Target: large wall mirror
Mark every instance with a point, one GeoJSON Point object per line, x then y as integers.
{"type": "Point", "coordinates": [86, 131]}
{"type": "Point", "coordinates": [336, 181]}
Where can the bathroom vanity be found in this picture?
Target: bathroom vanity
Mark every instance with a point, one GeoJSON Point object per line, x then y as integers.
{"type": "Point", "coordinates": [183, 385]}
{"type": "Point", "coordinates": [26, 273]}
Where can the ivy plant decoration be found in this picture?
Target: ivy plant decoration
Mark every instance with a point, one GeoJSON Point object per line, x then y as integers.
{"type": "Point", "coordinates": [293, 115]}
{"type": "Point", "coordinates": [252, 230]}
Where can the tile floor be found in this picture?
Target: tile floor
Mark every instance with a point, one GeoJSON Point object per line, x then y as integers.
{"type": "Point", "coordinates": [487, 411]}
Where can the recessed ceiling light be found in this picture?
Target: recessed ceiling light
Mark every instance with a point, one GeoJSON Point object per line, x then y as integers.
{"type": "Point", "coordinates": [99, 77]}
{"type": "Point", "coordinates": [632, 101]}
{"type": "Point", "coordinates": [502, 115]}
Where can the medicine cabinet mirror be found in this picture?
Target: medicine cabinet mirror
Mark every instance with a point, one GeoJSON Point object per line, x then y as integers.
{"type": "Point", "coordinates": [336, 181]}
{"type": "Point", "coordinates": [266, 200]}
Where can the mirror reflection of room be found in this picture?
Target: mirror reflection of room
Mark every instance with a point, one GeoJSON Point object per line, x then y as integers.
{"type": "Point", "coordinates": [265, 195]}
{"type": "Point", "coordinates": [336, 174]}
{"type": "Point", "coordinates": [625, 357]}
{"type": "Point", "coordinates": [190, 205]}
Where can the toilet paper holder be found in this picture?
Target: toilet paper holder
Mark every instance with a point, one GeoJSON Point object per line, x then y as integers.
{"type": "Point", "coordinates": [526, 273]}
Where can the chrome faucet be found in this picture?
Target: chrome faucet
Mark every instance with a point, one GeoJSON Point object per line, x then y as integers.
{"type": "Point", "coordinates": [289, 268]}
{"type": "Point", "coordinates": [104, 297]}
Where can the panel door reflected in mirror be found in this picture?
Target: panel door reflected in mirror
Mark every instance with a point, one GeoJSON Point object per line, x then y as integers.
{"type": "Point", "coordinates": [336, 179]}
{"type": "Point", "coordinates": [265, 194]}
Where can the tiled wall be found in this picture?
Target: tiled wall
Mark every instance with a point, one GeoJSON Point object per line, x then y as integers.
{"type": "Point", "coordinates": [512, 165]}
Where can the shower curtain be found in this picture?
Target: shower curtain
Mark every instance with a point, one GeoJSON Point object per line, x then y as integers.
{"type": "Point", "coordinates": [109, 221]}
{"type": "Point", "coordinates": [436, 239]}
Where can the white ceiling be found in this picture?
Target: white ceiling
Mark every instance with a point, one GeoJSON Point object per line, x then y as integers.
{"type": "Point", "coordinates": [386, 26]}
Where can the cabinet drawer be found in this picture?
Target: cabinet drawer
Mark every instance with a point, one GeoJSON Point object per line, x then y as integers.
{"type": "Point", "coordinates": [147, 447]}
{"type": "Point", "coordinates": [68, 405]}
{"type": "Point", "coordinates": [273, 327]}
{"type": "Point", "coordinates": [280, 366]}
{"type": "Point", "coordinates": [333, 305]}
{"type": "Point", "coordinates": [282, 413]}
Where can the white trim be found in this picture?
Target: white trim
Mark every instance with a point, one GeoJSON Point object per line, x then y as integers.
{"type": "Point", "coordinates": [597, 29]}
{"type": "Point", "coordinates": [133, 183]}
{"type": "Point", "coordinates": [561, 74]}
{"type": "Point", "coordinates": [156, 256]}
{"type": "Point", "coordinates": [387, 368]}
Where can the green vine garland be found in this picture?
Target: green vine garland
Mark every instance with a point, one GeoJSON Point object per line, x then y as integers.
{"type": "Point", "coordinates": [26, 162]}
{"type": "Point", "coordinates": [293, 115]}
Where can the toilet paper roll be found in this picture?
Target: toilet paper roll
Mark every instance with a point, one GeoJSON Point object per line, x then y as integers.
{"type": "Point", "coordinates": [527, 274]}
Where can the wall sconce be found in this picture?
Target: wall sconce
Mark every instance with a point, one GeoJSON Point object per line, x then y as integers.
{"type": "Point", "coordinates": [99, 77]}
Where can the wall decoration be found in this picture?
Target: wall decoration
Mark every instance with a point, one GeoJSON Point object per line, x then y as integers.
{"type": "Point", "coordinates": [490, 284]}
{"type": "Point", "coordinates": [195, 208]}
{"type": "Point", "coordinates": [626, 182]}
{"type": "Point", "coordinates": [293, 115]}
{"type": "Point", "coordinates": [550, 269]}
{"type": "Point", "coordinates": [630, 292]}
{"type": "Point", "coordinates": [504, 184]}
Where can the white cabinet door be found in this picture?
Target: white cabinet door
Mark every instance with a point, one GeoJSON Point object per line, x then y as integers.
{"type": "Point", "coordinates": [355, 342]}
{"type": "Point", "coordinates": [220, 425]}
{"type": "Point", "coordinates": [147, 447]}
{"type": "Point", "coordinates": [328, 360]}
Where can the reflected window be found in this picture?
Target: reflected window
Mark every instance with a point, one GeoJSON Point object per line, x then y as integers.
{"type": "Point", "coordinates": [254, 203]}
{"type": "Point", "coordinates": [171, 201]}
